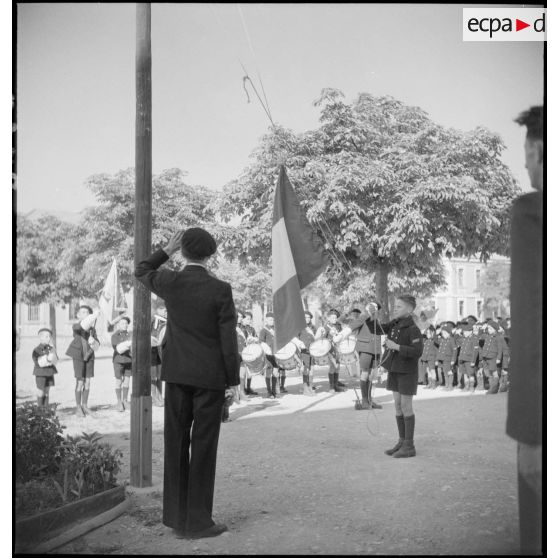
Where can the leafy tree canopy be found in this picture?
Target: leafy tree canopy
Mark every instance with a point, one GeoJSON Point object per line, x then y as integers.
{"type": "Point", "coordinates": [390, 192]}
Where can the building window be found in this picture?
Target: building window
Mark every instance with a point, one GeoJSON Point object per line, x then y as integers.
{"type": "Point", "coordinates": [461, 308]}
{"type": "Point", "coordinates": [477, 278]}
{"type": "Point", "coordinates": [460, 277]}
{"type": "Point", "coordinates": [479, 309]}
{"type": "Point", "coordinates": [33, 313]}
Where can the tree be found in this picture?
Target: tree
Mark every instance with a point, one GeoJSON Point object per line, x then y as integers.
{"type": "Point", "coordinates": [495, 288]}
{"type": "Point", "coordinates": [43, 250]}
{"type": "Point", "coordinates": [250, 282]}
{"type": "Point", "coordinates": [389, 191]}
{"type": "Point", "coordinates": [109, 226]}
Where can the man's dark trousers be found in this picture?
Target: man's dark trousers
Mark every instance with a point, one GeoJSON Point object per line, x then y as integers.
{"type": "Point", "coordinates": [530, 519]}
{"type": "Point", "coordinates": [192, 425]}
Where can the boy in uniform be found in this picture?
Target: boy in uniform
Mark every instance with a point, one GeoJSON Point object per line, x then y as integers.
{"type": "Point", "coordinates": [427, 362]}
{"type": "Point", "coordinates": [333, 330]}
{"type": "Point", "coordinates": [447, 354]}
{"type": "Point", "coordinates": [491, 354]}
{"type": "Point", "coordinates": [404, 349]}
{"type": "Point", "coordinates": [251, 336]}
{"type": "Point", "coordinates": [468, 355]}
{"type": "Point", "coordinates": [267, 338]}
{"type": "Point", "coordinates": [158, 329]}
{"type": "Point", "coordinates": [307, 336]}
{"type": "Point", "coordinates": [504, 365]}
{"type": "Point", "coordinates": [121, 341]}
{"type": "Point", "coordinates": [369, 347]}
{"type": "Point", "coordinates": [82, 352]}
{"type": "Point", "coordinates": [45, 359]}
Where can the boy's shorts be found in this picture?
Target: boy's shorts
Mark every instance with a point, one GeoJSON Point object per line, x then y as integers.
{"type": "Point", "coordinates": [84, 370]}
{"type": "Point", "coordinates": [405, 384]}
{"type": "Point", "coordinates": [122, 369]}
{"type": "Point", "coordinates": [44, 381]}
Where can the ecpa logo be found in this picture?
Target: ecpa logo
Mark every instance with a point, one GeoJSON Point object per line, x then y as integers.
{"type": "Point", "coordinates": [504, 24]}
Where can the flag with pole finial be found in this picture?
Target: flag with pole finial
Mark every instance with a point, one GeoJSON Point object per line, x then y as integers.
{"type": "Point", "coordinates": [112, 300]}
{"type": "Point", "coordinates": [298, 257]}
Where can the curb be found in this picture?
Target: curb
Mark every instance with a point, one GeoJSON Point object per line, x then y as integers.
{"type": "Point", "coordinates": [82, 528]}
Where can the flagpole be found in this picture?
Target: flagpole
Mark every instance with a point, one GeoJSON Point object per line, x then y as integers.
{"type": "Point", "coordinates": [141, 424]}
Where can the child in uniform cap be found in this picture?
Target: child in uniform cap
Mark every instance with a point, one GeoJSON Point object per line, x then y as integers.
{"type": "Point", "coordinates": [307, 336]}
{"type": "Point", "coordinates": [267, 339]}
{"type": "Point", "coordinates": [491, 354]}
{"type": "Point", "coordinates": [158, 329]}
{"type": "Point", "coordinates": [241, 342]}
{"type": "Point", "coordinates": [251, 336]}
{"type": "Point", "coordinates": [468, 355]}
{"type": "Point", "coordinates": [121, 341]}
{"type": "Point", "coordinates": [427, 364]}
{"type": "Point", "coordinates": [334, 331]}
{"type": "Point", "coordinates": [82, 352]}
{"type": "Point", "coordinates": [447, 354]}
{"type": "Point", "coordinates": [505, 363]}
{"type": "Point", "coordinates": [45, 359]}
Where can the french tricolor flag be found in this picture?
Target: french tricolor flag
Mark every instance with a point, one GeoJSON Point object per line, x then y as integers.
{"type": "Point", "coordinates": [298, 257]}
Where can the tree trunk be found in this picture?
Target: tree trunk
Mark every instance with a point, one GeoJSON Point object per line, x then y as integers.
{"type": "Point", "coordinates": [381, 281]}
{"type": "Point", "coordinates": [52, 320]}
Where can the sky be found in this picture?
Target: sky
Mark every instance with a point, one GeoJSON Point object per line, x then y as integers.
{"type": "Point", "coordinates": [76, 83]}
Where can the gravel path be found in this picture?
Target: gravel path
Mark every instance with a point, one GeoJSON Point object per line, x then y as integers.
{"type": "Point", "coordinates": [308, 476]}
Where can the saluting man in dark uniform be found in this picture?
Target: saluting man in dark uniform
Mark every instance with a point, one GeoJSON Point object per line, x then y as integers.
{"type": "Point", "coordinates": [369, 347]}
{"type": "Point", "coordinates": [404, 343]}
{"type": "Point", "coordinates": [200, 365]}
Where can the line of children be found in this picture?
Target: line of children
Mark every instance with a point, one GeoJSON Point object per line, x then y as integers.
{"type": "Point", "coordinates": [468, 355]}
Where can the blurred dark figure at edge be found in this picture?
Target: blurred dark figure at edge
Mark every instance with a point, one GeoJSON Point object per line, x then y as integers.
{"type": "Point", "coordinates": [524, 421]}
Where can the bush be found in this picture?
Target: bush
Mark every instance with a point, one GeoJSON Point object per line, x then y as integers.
{"type": "Point", "coordinates": [87, 467]}
{"type": "Point", "coordinates": [38, 441]}
{"type": "Point", "coordinates": [84, 468]}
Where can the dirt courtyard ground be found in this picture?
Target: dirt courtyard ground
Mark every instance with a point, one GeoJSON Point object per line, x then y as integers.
{"type": "Point", "coordinates": [301, 475]}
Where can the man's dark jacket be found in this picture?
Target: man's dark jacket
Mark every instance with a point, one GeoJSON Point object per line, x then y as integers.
{"type": "Point", "coordinates": [200, 346]}
{"type": "Point", "coordinates": [405, 333]}
{"type": "Point", "coordinates": [525, 399]}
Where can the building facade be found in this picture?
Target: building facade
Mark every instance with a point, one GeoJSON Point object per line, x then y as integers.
{"type": "Point", "coordinates": [462, 294]}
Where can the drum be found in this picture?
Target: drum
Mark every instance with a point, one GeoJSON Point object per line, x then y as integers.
{"type": "Point", "coordinates": [253, 357]}
{"type": "Point", "coordinates": [288, 357]}
{"type": "Point", "coordinates": [320, 350]}
{"type": "Point", "coordinates": [346, 350]}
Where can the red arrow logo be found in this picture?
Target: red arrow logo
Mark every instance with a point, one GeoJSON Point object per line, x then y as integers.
{"type": "Point", "coordinates": [519, 25]}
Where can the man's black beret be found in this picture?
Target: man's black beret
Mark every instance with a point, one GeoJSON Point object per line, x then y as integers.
{"type": "Point", "coordinates": [198, 244]}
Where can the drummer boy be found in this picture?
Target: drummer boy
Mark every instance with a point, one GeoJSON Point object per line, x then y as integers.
{"type": "Point", "coordinates": [267, 339]}
{"type": "Point", "coordinates": [335, 332]}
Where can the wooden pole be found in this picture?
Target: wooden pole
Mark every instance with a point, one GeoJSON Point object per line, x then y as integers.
{"type": "Point", "coordinates": [140, 430]}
